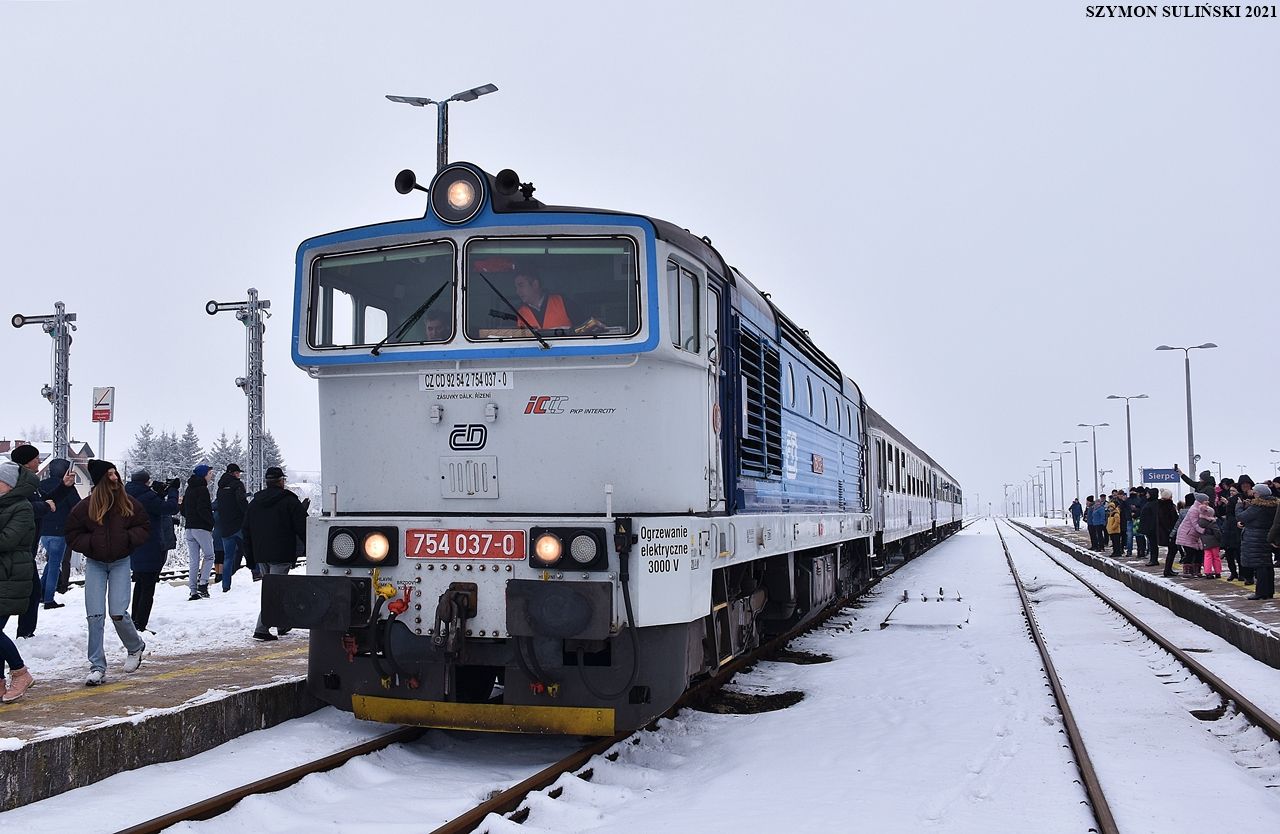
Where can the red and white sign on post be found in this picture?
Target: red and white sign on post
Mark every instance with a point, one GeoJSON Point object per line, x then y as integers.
{"type": "Point", "coordinates": [104, 404]}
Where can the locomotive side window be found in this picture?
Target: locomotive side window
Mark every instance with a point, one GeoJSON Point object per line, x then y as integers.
{"type": "Point", "coordinates": [682, 306]}
{"type": "Point", "coordinates": [791, 386]}
{"type": "Point", "coordinates": [355, 298]}
{"type": "Point", "coordinates": [553, 288]}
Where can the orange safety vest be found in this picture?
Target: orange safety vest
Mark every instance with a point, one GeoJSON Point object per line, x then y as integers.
{"type": "Point", "coordinates": [553, 315]}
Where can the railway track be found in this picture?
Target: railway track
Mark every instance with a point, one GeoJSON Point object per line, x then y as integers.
{"type": "Point", "coordinates": [1232, 705]}
{"type": "Point", "coordinates": [509, 801]}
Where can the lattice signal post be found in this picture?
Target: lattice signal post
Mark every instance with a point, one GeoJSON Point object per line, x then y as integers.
{"type": "Point", "coordinates": [59, 327]}
{"type": "Point", "coordinates": [251, 312]}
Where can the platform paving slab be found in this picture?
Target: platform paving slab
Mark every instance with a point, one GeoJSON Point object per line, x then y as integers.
{"type": "Point", "coordinates": [64, 735]}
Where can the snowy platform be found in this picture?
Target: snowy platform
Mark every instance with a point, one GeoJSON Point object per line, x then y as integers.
{"type": "Point", "coordinates": [203, 682]}
{"type": "Point", "coordinates": [1218, 606]}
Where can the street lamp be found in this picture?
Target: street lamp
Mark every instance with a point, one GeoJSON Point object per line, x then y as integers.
{"type": "Point", "coordinates": [442, 115]}
{"type": "Point", "coordinates": [1275, 465]}
{"type": "Point", "coordinates": [1128, 427]}
{"type": "Point", "coordinates": [1217, 463]}
{"type": "Point", "coordinates": [1049, 479]}
{"type": "Point", "coordinates": [1006, 500]}
{"type": "Point", "coordinates": [1097, 490]}
{"type": "Point", "coordinates": [1103, 475]}
{"type": "Point", "coordinates": [1062, 491]}
{"type": "Point", "coordinates": [1075, 456]}
{"type": "Point", "coordinates": [1191, 445]}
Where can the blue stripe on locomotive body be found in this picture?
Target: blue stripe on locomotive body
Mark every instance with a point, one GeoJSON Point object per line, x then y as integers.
{"type": "Point", "coordinates": [809, 445]}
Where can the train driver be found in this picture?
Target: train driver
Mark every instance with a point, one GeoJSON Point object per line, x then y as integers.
{"type": "Point", "coordinates": [540, 309]}
{"type": "Point", "coordinates": [438, 326]}
{"type": "Point", "coordinates": [543, 310]}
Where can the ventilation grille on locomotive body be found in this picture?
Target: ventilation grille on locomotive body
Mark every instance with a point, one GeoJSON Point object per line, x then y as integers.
{"type": "Point", "coordinates": [761, 443]}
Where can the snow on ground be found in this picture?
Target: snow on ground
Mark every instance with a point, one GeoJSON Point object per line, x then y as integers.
{"type": "Point", "coordinates": [908, 729]}
{"type": "Point", "coordinates": [60, 645]}
{"type": "Point", "coordinates": [1133, 710]}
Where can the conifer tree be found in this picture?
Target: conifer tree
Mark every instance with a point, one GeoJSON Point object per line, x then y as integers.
{"type": "Point", "coordinates": [224, 452]}
{"type": "Point", "coordinates": [190, 452]}
{"type": "Point", "coordinates": [271, 452]}
{"type": "Point", "coordinates": [141, 453]}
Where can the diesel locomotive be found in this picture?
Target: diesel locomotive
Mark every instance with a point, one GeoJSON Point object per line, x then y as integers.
{"type": "Point", "coordinates": [572, 460]}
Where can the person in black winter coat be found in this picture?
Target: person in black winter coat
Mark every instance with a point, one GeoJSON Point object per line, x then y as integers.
{"type": "Point", "coordinates": [1255, 522]}
{"type": "Point", "coordinates": [148, 560]}
{"type": "Point", "coordinates": [197, 511]}
{"type": "Point", "coordinates": [1166, 520]}
{"type": "Point", "coordinates": [60, 488]}
{"type": "Point", "coordinates": [1148, 526]}
{"type": "Point", "coordinates": [274, 523]}
{"type": "Point", "coordinates": [28, 459]}
{"type": "Point", "coordinates": [233, 501]}
{"type": "Point", "coordinates": [1205, 484]}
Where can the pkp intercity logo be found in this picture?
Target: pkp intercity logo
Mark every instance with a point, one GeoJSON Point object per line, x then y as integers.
{"type": "Point", "coordinates": [545, 405]}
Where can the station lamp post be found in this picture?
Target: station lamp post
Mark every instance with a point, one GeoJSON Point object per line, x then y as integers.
{"type": "Point", "coordinates": [1218, 464]}
{"type": "Point", "coordinates": [442, 115]}
{"type": "Point", "coordinates": [1191, 444]}
{"type": "Point", "coordinates": [1075, 456]}
{"type": "Point", "coordinates": [1128, 426]}
{"type": "Point", "coordinates": [1097, 489]}
{"type": "Point", "coordinates": [1102, 474]}
{"type": "Point", "coordinates": [1049, 479]}
{"type": "Point", "coordinates": [1062, 491]}
{"type": "Point", "coordinates": [59, 326]}
{"type": "Point", "coordinates": [252, 312]}
{"type": "Point", "coordinates": [1006, 500]}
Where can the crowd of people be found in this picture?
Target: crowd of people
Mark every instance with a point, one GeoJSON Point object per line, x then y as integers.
{"type": "Point", "coordinates": [126, 532]}
{"type": "Point", "coordinates": [1234, 519]}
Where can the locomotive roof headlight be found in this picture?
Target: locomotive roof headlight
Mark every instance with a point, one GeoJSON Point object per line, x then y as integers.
{"type": "Point", "coordinates": [461, 195]}
{"type": "Point", "coordinates": [376, 547]}
{"type": "Point", "coordinates": [343, 546]}
{"type": "Point", "coordinates": [457, 194]}
{"type": "Point", "coordinates": [583, 549]}
{"type": "Point", "coordinates": [548, 548]}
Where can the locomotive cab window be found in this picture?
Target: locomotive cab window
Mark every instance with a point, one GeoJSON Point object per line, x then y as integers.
{"type": "Point", "coordinates": [355, 298]}
{"type": "Point", "coordinates": [682, 307]}
{"type": "Point", "coordinates": [555, 288]}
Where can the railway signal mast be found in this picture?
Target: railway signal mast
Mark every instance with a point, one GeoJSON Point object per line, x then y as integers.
{"type": "Point", "coordinates": [59, 327]}
{"type": "Point", "coordinates": [251, 312]}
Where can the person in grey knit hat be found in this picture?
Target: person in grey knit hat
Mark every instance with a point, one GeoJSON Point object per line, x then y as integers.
{"type": "Point", "coordinates": [9, 474]}
{"type": "Point", "coordinates": [1255, 523]}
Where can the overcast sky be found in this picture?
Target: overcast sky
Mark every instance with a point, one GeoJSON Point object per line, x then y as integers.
{"type": "Point", "coordinates": [988, 213]}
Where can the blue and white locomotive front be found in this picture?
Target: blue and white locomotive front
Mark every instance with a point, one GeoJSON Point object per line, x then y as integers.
{"type": "Point", "coordinates": [519, 456]}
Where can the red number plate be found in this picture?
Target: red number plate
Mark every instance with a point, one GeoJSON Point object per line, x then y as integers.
{"type": "Point", "coordinates": [464, 544]}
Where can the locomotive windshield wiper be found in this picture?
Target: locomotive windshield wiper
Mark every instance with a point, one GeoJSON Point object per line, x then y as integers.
{"type": "Point", "coordinates": [518, 317]}
{"type": "Point", "coordinates": [411, 321]}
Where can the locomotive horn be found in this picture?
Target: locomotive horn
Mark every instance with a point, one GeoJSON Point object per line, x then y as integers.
{"type": "Point", "coordinates": [506, 182]}
{"type": "Point", "coordinates": [407, 181]}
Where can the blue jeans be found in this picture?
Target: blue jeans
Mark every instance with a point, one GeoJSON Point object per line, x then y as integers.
{"type": "Point", "coordinates": [9, 654]}
{"type": "Point", "coordinates": [1128, 537]}
{"type": "Point", "coordinates": [55, 547]}
{"type": "Point", "coordinates": [231, 548]}
{"type": "Point", "coordinates": [106, 590]}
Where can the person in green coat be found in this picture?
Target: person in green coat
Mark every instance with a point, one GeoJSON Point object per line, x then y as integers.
{"type": "Point", "coordinates": [17, 572]}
